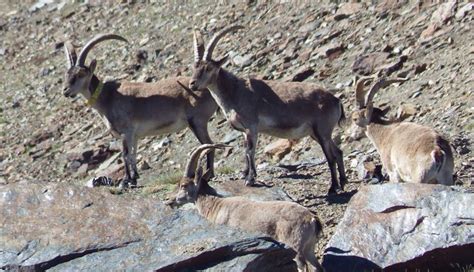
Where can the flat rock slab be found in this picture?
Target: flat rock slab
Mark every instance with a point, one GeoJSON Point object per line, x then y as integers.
{"type": "Point", "coordinates": [404, 226]}
{"type": "Point", "coordinates": [60, 227]}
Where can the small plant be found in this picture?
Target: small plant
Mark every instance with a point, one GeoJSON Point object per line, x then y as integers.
{"type": "Point", "coordinates": [164, 183]}
{"type": "Point", "coordinates": [225, 170]}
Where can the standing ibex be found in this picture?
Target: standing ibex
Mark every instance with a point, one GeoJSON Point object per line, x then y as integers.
{"type": "Point", "coordinates": [409, 152]}
{"type": "Point", "coordinates": [287, 222]}
{"type": "Point", "coordinates": [289, 110]}
{"type": "Point", "coordinates": [134, 110]}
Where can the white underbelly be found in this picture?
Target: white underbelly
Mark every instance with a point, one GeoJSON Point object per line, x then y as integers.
{"type": "Point", "coordinates": [152, 128]}
{"type": "Point", "coordinates": [287, 133]}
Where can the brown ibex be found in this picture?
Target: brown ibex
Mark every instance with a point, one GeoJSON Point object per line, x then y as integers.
{"type": "Point", "coordinates": [133, 110]}
{"type": "Point", "coordinates": [290, 110]}
{"type": "Point", "coordinates": [409, 152]}
{"type": "Point", "coordinates": [285, 221]}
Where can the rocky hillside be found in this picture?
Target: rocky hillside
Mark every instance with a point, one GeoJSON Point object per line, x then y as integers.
{"type": "Point", "coordinates": [47, 137]}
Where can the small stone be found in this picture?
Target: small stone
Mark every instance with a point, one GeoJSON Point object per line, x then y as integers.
{"type": "Point", "coordinates": [368, 64]}
{"type": "Point", "coordinates": [242, 61]}
{"type": "Point", "coordinates": [302, 74]}
{"type": "Point", "coordinates": [44, 71]}
{"type": "Point", "coordinates": [419, 68]}
{"type": "Point", "coordinates": [444, 12]}
{"type": "Point", "coordinates": [309, 27]}
{"type": "Point", "coordinates": [464, 10]}
{"type": "Point", "coordinates": [405, 111]}
{"type": "Point", "coordinates": [163, 143]}
{"type": "Point", "coordinates": [331, 51]}
{"type": "Point", "coordinates": [278, 149]}
{"type": "Point", "coordinates": [347, 9]}
{"type": "Point", "coordinates": [367, 169]}
{"type": "Point", "coordinates": [144, 165]}
{"type": "Point", "coordinates": [82, 170]}
{"type": "Point", "coordinates": [429, 31]}
{"type": "Point", "coordinates": [231, 136]}
{"type": "Point", "coordinates": [75, 165]}
{"type": "Point", "coordinates": [416, 94]}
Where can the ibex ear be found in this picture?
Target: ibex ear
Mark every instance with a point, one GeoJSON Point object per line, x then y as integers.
{"type": "Point", "coordinates": [368, 110]}
{"type": "Point", "coordinates": [222, 61]}
{"type": "Point", "coordinates": [70, 53]}
{"type": "Point", "coordinates": [385, 110]}
{"type": "Point", "coordinates": [207, 176]}
{"type": "Point", "coordinates": [92, 66]}
{"type": "Point", "coordinates": [198, 176]}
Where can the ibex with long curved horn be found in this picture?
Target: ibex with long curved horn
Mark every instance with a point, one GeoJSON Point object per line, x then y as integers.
{"type": "Point", "coordinates": [289, 110]}
{"type": "Point", "coordinates": [409, 152]}
{"type": "Point", "coordinates": [134, 110]}
{"type": "Point", "coordinates": [285, 221]}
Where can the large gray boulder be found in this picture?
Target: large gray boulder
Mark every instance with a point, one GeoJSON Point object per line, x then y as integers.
{"type": "Point", "coordinates": [404, 226]}
{"type": "Point", "coordinates": [61, 227]}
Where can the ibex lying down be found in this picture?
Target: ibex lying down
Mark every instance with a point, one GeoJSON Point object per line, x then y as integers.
{"type": "Point", "coordinates": [287, 222]}
{"type": "Point", "coordinates": [134, 110]}
{"type": "Point", "coordinates": [289, 110]}
{"type": "Point", "coordinates": [409, 152]}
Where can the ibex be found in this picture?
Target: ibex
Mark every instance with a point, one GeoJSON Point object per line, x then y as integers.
{"type": "Point", "coordinates": [287, 222]}
{"type": "Point", "coordinates": [134, 110]}
{"type": "Point", "coordinates": [409, 152]}
{"type": "Point", "coordinates": [288, 110]}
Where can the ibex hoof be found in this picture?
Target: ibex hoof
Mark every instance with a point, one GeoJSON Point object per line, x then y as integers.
{"type": "Point", "coordinates": [332, 191]}
{"type": "Point", "coordinates": [132, 183]}
{"type": "Point", "coordinates": [250, 182]}
{"type": "Point", "coordinates": [124, 184]}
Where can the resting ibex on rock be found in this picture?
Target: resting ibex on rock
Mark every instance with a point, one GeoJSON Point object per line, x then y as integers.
{"type": "Point", "coordinates": [290, 110]}
{"type": "Point", "coordinates": [134, 110]}
{"type": "Point", "coordinates": [409, 152]}
{"type": "Point", "coordinates": [287, 222]}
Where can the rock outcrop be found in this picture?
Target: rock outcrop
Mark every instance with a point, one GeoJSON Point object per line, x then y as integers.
{"type": "Point", "coordinates": [61, 227]}
{"type": "Point", "coordinates": [404, 226]}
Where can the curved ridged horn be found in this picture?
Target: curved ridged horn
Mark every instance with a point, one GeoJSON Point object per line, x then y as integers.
{"type": "Point", "coordinates": [381, 83]}
{"type": "Point", "coordinates": [194, 158]}
{"type": "Point", "coordinates": [360, 91]}
{"type": "Point", "coordinates": [198, 44]}
{"type": "Point", "coordinates": [215, 39]}
{"type": "Point", "coordinates": [70, 54]}
{"type": "Point", "coordinates": [97, 39]}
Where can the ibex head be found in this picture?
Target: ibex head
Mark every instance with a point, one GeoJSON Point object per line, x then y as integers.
{"type": "Point", "coordinates": [194, 181]}
{"type": "Point", "coordinates": [205, 68]}
{"type": "Point", "coordinates": [78, 76]}
{"type": "Point", "coordinates": [366, 112]}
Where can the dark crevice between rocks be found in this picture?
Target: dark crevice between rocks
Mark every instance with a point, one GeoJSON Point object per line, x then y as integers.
{"type": "Point", "coordinates": [397, 208]}
{"type": "Point", "coordinates": [277, 255]}
{"type": "Point", "coordinates": [61, 259]}
{"type": "Point", "coordinates": [463, 221]}
{"type": "Point", "coordinates": [418, 222]}
{"type": "Point", "coordinates": [453, 258]}
{"type": "Point", "coordinates": [341, 263]}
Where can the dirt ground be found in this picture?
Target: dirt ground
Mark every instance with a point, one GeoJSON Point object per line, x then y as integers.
{"type": "Point", "coordinates": [42, 133]}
